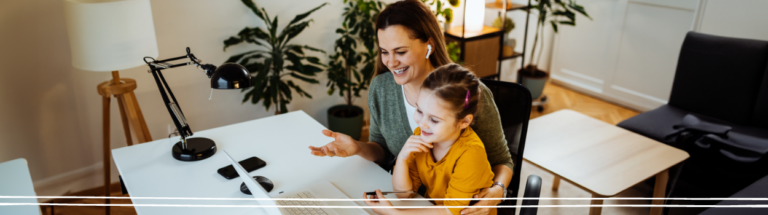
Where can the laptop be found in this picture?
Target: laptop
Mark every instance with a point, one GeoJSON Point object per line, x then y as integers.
{"type": "Point", "coordinates": [321, 189]}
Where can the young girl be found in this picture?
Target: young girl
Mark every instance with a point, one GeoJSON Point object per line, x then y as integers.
{"type": "Point", "coordinates": [444, 154]}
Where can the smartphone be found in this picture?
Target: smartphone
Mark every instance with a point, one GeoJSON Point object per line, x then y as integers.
{"type": "Point", "coordinates": [250, 164]}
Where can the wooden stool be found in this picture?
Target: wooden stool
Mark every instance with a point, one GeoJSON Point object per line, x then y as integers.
{"type": "Point", "coordinates": [130, 112]}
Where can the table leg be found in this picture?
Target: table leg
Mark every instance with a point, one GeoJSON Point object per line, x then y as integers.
{"type": "Point", "coordinates": [106, 149]}
{"type": "Point", "coordinates": [596, 210]}
{"type": "Point", "coordinates": [659, 191]}
{"type": "Point", "coordinates": [556, 183]}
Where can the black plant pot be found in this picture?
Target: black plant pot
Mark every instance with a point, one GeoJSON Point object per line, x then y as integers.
{"type": "Point", "coordinates": [346, 120]}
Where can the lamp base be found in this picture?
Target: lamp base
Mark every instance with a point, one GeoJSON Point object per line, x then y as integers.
{"type": "Point", "coordinates": [197, 149]}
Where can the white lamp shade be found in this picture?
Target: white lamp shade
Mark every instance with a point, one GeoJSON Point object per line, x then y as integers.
{"type": "Point", "coordinates": [110, 35]}
{"type": "Point", "coordinates": [473, 19]}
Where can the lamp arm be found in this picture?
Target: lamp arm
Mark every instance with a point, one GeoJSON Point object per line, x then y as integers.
{"type": "Point", "coordinates": [169, 99]}
{"type": "Point", "coordinates": [173, 108]}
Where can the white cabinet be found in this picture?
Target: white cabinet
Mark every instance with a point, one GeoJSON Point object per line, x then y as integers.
{"type": "Point", "coordinates": [628, 53]}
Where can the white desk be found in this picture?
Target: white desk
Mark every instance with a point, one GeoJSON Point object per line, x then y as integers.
{"type": "Point", "coordinates": [149, 170]}
{"type": "Point", "coordinates": [16, 181]}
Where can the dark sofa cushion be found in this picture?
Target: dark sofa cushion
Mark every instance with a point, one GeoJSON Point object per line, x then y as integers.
{"type": "Point", "coordinates": [655, 124]}
{"type": "Point", "coordinates": [719, 77]}
{"type": "Point", "coordinates": [759, 189]}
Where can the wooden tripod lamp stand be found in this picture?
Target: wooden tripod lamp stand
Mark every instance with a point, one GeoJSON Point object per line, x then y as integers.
{"type": "Point", "coordinates": [111, 36]}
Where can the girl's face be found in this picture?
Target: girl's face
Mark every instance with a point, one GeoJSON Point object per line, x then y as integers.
{"type": "Point", "coordinates": [437, 119]}
{"type": "Point", "coordinates": [404, 56]}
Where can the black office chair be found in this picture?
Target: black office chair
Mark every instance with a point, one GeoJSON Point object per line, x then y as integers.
{"type": "Point", "coordinates": [514, 104]}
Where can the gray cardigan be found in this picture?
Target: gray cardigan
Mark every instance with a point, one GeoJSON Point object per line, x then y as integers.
{"type": "Point", "coordinates": [390, 129]}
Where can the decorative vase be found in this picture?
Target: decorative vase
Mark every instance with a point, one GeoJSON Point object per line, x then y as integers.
{"type": "Point", "coordinates": [509, 46]}
{"type": "Point", "coordinates": [341, 120]}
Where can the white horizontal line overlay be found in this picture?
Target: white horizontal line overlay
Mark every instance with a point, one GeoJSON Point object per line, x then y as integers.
{"type": "Point", "coordinates": [405, 207]}
{"type": "Point", "coordinates": [407, 199]}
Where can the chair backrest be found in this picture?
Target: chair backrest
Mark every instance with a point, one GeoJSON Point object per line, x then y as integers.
{"type": "Point", "coordinates": [722, 77]}
{"type": "Point", "coordinates": [514, 104]}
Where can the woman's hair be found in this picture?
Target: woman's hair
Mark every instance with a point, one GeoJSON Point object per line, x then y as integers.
{"type": "Point", "coordinates": [416, 17]}
{"type": "Point", "coordinates": [451, 83]}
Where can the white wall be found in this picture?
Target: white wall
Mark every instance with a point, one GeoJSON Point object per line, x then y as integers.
{"type": "Point", "coordinates": [734, 18]}
{"type": "Point", "coordinates": [629, 54]}
{"type": "Point", "coordinates": [50, 112]}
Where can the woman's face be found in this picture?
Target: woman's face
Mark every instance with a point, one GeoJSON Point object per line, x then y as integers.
{"type": "Point", "coordinates": [437, 119]}
{"type": "Point", "coordinates": [404, 56]}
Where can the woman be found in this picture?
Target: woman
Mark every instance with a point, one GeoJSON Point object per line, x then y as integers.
{"type": "Point", "coordinates": [411, 46]}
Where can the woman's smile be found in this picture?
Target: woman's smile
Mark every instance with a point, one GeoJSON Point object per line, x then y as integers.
{"type": "Point", "coordinates": [401, 71]}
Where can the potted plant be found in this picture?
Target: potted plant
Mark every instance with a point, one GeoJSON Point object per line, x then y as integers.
{"type": "Point", "coordinates": [267, 64]}
{"type": "Point", "coordinates": [350, 70]}
{"type": "Point", "coordinates": [446, 13]}
{"type": "Point", "coordinates": [509, 43]}
{"type": "Point", "coordinates": [550, 13]}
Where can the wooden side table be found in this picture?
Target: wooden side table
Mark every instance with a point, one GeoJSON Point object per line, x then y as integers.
{"type": "Point", "coordinates": [598, 157]}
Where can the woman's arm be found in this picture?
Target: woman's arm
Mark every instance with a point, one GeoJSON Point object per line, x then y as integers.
{"type": "Point", "coordinates": [344, 146]}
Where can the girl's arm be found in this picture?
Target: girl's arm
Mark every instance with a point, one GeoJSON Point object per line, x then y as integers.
{"type": "Point", "coordinates": [405, 175]}
{"type": "Point", "coordinates": [401, 179]}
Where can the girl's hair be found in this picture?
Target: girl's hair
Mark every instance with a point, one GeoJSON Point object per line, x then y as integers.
{"type": "Point", "coordinates": [451, 83]}
{"type": "Point", "coordinates": [416, 17]}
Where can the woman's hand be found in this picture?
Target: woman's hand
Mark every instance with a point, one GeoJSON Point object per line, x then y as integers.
{"type": "Point", "coordinates": [413, 145]}
{"type": "Point", "coordinates": [379, 200]}
{"type": "Point", "coordinates": [343, 146]}
{"type": "Point", "coordinates": [492, 192]}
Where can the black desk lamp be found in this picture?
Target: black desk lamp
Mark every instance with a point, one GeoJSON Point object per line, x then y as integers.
{"type": "Point", "coordinates": [226, 76]}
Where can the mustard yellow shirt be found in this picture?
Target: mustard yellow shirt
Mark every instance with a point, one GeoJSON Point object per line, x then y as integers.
{"type": "Point", "coordinates": [461, 173]}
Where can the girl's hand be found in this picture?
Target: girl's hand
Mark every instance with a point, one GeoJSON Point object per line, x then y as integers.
{"type": "Point", "coordinates": [343, 146]}
{"type": "Point", "coordinates": [492, 192]}
{"type": "Point", "coordinates": [379, 200]}
{"type": "Point", "coordinates": [413, 145]}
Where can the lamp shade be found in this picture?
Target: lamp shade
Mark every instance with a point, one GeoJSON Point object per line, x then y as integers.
{"type": "Point", "coordinates": [230, 76]}
{"type": "Point", "coordinates": [110, 35]}
{"type": "Point", "coordinates": [473, 19]}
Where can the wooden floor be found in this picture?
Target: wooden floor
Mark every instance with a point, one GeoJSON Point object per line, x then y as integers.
{"type": "Point", "coordinates": [562, 98]}
{"type": "Point", "coordinates": [559, 98]}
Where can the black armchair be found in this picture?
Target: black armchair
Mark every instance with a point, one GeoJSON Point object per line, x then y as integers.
{"type": "Point", "coordinates": [717, 112]}
{"type": "Point", "coordinates": [514, 104]}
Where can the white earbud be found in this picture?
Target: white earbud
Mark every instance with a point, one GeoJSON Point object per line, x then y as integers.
{"type": "Point", "coordinates": [429, 50]}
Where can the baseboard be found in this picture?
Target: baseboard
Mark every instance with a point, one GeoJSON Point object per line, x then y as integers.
{"type": "Point", "coordinates": [75, 181]}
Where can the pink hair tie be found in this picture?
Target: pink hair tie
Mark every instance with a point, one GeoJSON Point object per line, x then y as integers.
{"type": "Point", "coordinates": [466, 101]}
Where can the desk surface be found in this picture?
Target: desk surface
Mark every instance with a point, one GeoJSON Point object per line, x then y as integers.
{"type": "Point", "coordinates": [595, 155]}
{"type": "Point", "coordinates": [16, 181]}
{"type": "Point", "coordinates": [149, 170]}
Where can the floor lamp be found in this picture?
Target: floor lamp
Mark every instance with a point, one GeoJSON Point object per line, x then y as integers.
{"type": "Point", "coordinates": [111, 36]}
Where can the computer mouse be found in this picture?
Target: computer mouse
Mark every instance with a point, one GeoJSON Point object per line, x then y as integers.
{"type": "Point", "coordinates": [263, 181]}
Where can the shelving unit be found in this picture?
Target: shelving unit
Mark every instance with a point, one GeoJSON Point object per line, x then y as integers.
{"type": "Point", "coordinates": [478, 42]}
{"type": "Point", "coordinates": [521, 55]}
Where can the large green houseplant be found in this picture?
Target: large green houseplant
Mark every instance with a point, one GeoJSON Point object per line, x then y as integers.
{"type": "Point", "coordinates": [350, 69]}
{"type": "Point", "coordinates": [553, 13]}
{"type": "Point", "coordinates": [268, 65]}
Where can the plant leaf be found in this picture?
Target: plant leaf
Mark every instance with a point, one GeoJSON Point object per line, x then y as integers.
{"type": "Point", "coordinates": [235, 58]}
{"type": "Point", "coordinates": [250, 4]}
{"type": "Point", "coordinates": [306, 14]}
{"type": "Point", "coordinates": [305, 79]}
{"type": "Point", "coordinates": [314, 49]}
{"type": "Point", "coordinates": [232, 41]}
{"type": "Point", "coordinates": [285, 90]}
{"type": "Point", "coordinates": [292, 31]}
{"type": "Point", "coordinates": [580, 9]}
{"type": "Point", "coordinates": [554, 25]}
